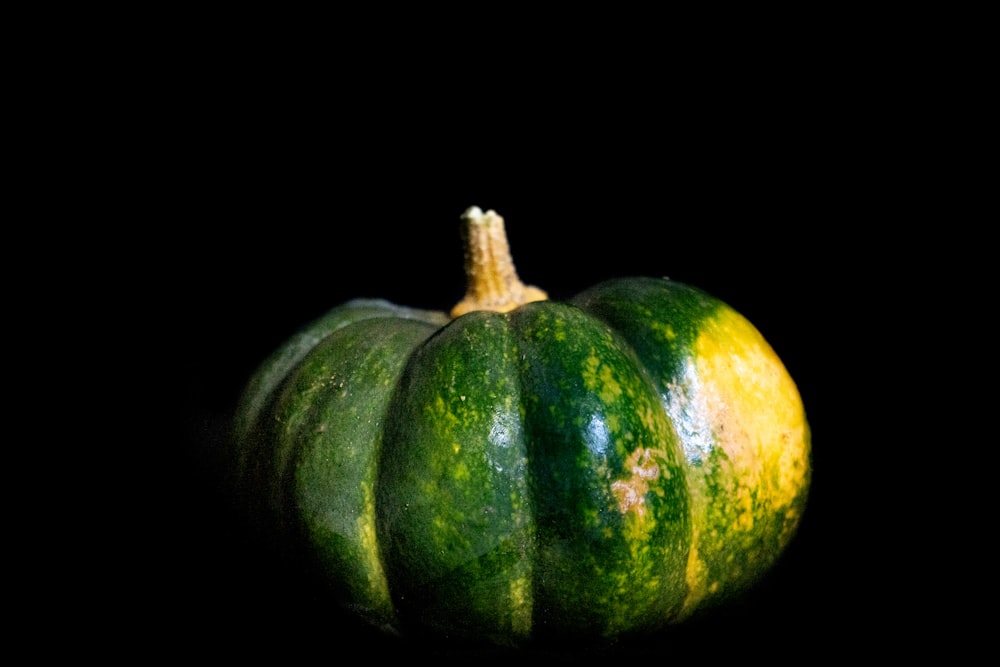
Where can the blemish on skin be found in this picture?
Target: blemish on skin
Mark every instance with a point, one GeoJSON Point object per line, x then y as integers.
{"type": "Point", "coordinates": [631, 492]}
{"type": "Point", "coordinates": [628, 497]}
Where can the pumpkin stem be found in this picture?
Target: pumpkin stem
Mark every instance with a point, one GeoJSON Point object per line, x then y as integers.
{"type": "Point", "coordinates": [492, 281]}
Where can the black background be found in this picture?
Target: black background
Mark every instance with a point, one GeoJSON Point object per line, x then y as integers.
{"type": "Point", "coordinates": [195, 187]}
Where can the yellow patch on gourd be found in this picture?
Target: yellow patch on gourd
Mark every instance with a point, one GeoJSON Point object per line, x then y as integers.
{"type": "Point", "coordinates": [520, 603]}
{"type": "Point", "coordinates": [365, 525]}
{"type": "Point", "coordinates": [664, 331]}
{"type": "Point", "coordinates": [744, 506]}
{"type": "Point", "coordinates": [600, 378]}
{"type": "Point", "coordinates": [738, 397]}
{"type": "Point", "coordinates": [754, 408]}
{"type": "Point", "coordinates": [613, 423]}
{"type": "Point", "coordinates": [697, 577]}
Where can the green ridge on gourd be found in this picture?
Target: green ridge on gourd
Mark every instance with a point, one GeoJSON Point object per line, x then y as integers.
{"type": "Point", "coordinates": [526, 470]}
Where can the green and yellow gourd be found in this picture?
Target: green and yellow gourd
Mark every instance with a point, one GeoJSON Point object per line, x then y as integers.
{"type": "Point", "coordinates": [525, 470]}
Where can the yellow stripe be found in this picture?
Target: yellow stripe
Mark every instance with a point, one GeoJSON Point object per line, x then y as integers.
{"type": "Point", "coordinates": [740, 398]}
{"type": "Point", "coordinates": [755, 407]}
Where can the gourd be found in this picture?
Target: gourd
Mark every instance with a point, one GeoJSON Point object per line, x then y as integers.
{"type": "Point", "coordinates": [523, 470]}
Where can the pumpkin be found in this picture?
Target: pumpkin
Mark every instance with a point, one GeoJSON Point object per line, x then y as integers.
{"type": "Point", "coordinates": [522, 470]}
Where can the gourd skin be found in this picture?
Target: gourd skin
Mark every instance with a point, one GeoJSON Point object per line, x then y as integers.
{"type": "Point", "coordinates": [739, 417]}
{"type": "Point", "coordinates": [589, 469]}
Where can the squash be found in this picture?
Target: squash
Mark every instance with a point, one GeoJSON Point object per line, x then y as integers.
{"type": "Point", "coordinates": [523, 470]}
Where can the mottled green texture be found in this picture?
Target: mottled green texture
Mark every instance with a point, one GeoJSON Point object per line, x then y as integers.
{"type": "Point", "coordinates": [274, 369]}
{"type": "Point", "coordinates": [455, 515]}
{"type": "Point", "coordinates": [497, 512]}
{"type": "Point", "coordinates": [600, 570]}
{"type": "Point", "coordinates": [310, 433]}
{"type": "Point", "coordinates": [332, 417]}
{"type": "Point", "coordinates": [741, 529]}
{"type": "Point", "coordinates": [544, 474]}
{"type": "Point", "coordinates": [661, 320]}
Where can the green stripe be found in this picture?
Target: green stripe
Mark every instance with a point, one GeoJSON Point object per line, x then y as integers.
{"type": "Point", "coordinates": [330, 418]}
{"type": "Point", "coordinates": [603, 565]}
{"type": "Point", "coordinates": [452, 495]}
